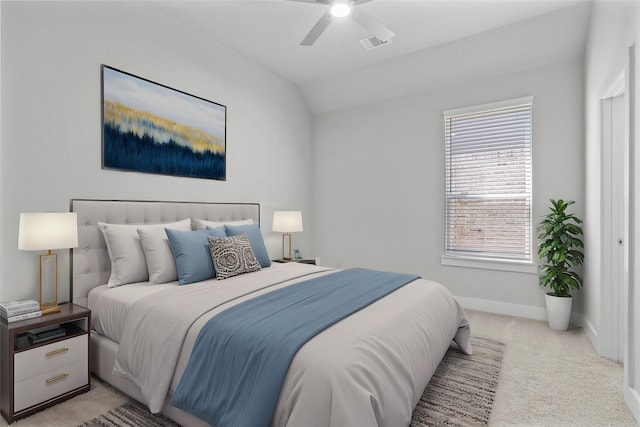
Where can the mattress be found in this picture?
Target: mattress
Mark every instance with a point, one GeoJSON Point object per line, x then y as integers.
{"type": "Point", "coordinates": [368, 369]}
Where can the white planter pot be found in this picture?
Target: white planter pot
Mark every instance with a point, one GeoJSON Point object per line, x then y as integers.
{"type": "Point", "coordinates": [558, 312]}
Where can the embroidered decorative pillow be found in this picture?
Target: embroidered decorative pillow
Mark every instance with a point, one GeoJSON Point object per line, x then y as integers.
{"type": "Point", "coordinates": [232, 255]}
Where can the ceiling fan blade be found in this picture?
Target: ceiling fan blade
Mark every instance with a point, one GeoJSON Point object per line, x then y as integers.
{"type": "Point", "coordinates": [372, 25]}
{"type": "Point", "coordinates": [356, 2]}
{"type": "Point", "coordinates": [317, 29]}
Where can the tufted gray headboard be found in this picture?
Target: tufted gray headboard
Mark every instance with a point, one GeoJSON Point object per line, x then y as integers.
{"type": "Point", "coordinates": [90, 265]}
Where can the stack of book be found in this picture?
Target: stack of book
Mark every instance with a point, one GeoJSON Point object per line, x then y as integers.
{"type": "Point", "coordinates": [20, 310]}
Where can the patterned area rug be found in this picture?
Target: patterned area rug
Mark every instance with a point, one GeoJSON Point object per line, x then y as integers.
{"type": "Point", "coordinates": [462, 390]}
{"type": "Point", "coordinates": [130, 414]}
{"type": "Point", "coordinates": [460, 393]}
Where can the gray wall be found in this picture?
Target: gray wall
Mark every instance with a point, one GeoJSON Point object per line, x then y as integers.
{"type": "Point", "coordinates": [51, 131]}
{"type": "Point", "coordinates": [378, 181]}
{"type": "Point", "coordinates": [375, 172]}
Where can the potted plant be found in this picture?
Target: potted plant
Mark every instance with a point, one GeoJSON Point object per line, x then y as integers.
{"type": "Point", "coordinates": [561, 249]}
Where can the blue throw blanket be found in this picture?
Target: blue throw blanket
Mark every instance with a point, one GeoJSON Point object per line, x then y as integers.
{"type": "Point", "coordinates": [242, 355]}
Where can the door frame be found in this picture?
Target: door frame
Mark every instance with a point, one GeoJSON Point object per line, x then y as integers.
{"type": "Point", "coordinates": [631, 368]}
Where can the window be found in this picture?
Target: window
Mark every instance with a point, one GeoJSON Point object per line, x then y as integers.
{"type": "Point", "coordinates": [488, 182]}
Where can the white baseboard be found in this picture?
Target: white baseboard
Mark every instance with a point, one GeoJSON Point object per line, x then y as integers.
{"type": "Point", "coordinates": [590, 331]}
{"type": "Point", "coordinates": [517, 310]}
{"type": "Point", "coordinates": [525, 311]}
{"type": "Point", "coordinates": [632, 398]}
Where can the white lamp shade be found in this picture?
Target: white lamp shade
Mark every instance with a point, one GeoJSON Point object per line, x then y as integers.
{"type": "Point", "coordinates": [45, 231]}
{"type": "Point", "coordinates": [287, 221]}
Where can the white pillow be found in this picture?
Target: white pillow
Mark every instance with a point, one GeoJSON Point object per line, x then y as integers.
{"type": "Point", "coordinates": [160, 262]}
{"type": "Point", "coordinates": [203, 223]}
{"type": "Point", "coordinates": [128, 263]}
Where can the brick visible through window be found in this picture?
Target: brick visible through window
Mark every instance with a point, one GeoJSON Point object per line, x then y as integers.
{"type": "Point", "coordinates": [488, 180]}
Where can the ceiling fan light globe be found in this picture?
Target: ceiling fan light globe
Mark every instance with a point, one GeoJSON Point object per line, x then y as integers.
{"type": "Point", "coordinates": [340, 10]}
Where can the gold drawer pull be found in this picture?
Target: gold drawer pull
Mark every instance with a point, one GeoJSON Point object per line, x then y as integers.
{"type": "Point", "coordinates": [58, 351]}
{"type": "Point", "coordinates": [59, 377]}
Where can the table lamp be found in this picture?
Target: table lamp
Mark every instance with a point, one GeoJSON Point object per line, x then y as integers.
{"type": "Point", "coordinates": [287, 222]}
{"type": "Point", "coordinates": [45, 232]}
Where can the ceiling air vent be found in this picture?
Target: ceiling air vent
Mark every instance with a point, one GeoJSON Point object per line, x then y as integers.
{"type": "Point", "coordinates": [373, 42]}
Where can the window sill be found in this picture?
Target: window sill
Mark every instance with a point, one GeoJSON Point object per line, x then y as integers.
{"type": "Point", "coordinates": [489, 264]}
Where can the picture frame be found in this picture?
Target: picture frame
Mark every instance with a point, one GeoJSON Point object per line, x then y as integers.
{"type": "Point", "coordinates": [152, 128]}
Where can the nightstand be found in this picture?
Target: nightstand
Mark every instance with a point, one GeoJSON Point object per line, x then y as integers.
{"type": "Point", "coordinates": [302, 261]}
{"type": "Point", "coordinates": [36, 376]}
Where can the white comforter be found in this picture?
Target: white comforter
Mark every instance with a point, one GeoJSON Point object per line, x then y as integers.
{"type": "Point", "coordinates": [369, 369]}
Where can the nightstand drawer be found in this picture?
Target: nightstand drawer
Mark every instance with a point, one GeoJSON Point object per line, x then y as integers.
{"type": "Point", "coordinates": [50, 384]}
{"type": "Point", "coordinates": [49, 357]}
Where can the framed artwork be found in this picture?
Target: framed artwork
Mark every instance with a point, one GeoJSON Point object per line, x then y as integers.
{"type": "Point", "coordinates": [152, 128]}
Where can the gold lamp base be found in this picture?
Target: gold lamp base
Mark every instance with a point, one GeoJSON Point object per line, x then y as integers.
{"type": "Point", "coordinates": [284, 257]}
{"type": "Point", "coordinates": [49, 283]}
{"type": "Point", "coordinates": [49, 309]}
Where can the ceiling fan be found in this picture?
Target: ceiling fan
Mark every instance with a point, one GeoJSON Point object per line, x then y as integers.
{"type": "Point", "coordinates": [345, 8]}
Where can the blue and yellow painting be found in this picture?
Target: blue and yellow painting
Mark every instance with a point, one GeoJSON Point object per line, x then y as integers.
{"type": "Point", "coordinates": [151, 128]}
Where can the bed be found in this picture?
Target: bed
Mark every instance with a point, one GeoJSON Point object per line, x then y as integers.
{"type": "Point", "coordinates": [367, 368]}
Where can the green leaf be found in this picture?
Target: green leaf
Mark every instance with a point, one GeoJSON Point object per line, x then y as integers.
{"type": "Point", "coordinates": [559, 246]}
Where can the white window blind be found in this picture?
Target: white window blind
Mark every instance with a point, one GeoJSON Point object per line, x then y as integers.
{"type": "Point", "coordinates": [488, 181]}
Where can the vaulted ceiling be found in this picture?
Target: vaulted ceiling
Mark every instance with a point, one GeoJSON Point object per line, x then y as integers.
{"type": "Point", "coordinates": [436, 43]}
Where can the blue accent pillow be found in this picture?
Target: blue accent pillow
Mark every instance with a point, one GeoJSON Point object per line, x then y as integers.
{"type": "Point", "coordinates": [191, 252]}
{"type": "Point", "coordinates": [255, 238]}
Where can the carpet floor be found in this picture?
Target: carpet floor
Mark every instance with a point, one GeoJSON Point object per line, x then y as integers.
{"type": "Point", "coordinates": [460, 393]}
{"type": "Point", "coordinates": [548, 379]}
